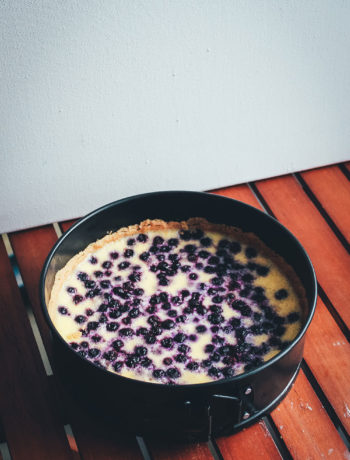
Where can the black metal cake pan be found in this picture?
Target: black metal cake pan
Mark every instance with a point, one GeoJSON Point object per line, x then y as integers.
{"type": "Point", "coordinates": [197, 410]}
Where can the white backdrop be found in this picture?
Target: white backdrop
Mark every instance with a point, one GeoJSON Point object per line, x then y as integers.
{"type": "Point", "coordinates": [104, 99]}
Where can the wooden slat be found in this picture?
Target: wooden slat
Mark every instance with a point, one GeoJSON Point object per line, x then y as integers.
{"type": "Point", "coordinates": [253, 442]}
{"type": "Point", "coordinates": [332, 189]}
{"type": "Point", "coordinates": [31, 419]}
{"type": "Point", "coordinates": [327, 353]}
{"type": "Point", "coordinates": [179, 451]}
{"type": "Point", "coordinates": [347, 165]}
{"type": "Point", "coordinates": [31, 248]}
{"type": "Point", "coordinates": [305, 426]}
{"type": "Point", "coordinates": [67, 224]}
{"type": "Point", "coordinates": [292, 208]}
{"type": "Point", "coordinates": [315, 360]}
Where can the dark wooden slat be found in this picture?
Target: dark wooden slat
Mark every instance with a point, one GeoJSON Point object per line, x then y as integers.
{"type": "Point", "coordinates": [332, 189]}
{"type": "Point", "coordinates": [253, 442]}
{"type": "Point", "coordinates": [94, 440]}
{"type": "Point", "coordinates": [305, 426]}
{"type": "Point", "coordinates": [67, 224]}
{"type": "Point", "coordinates": [292, 208]}
{"type": "Point", "coordinates": [31, 419]}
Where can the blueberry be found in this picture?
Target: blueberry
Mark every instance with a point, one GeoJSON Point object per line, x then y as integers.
{"type": "Point", "coordinates": [199, 266]}
{"type": "Point", "coordinates": [131, 361]}
{"type": "Point", "coordinates": [71, 290]}
{"type": "Point", "coordinates": [93, 293]}
{"type": "Point", "coordinates": [166, 306]}
{"type": "Point", "coordinates": [215, 318]}
{"type": "Point", "coordinates": [74, 345]}
{"type": "Point", "coordinates": [192, 366]}
{"type": "Point", "coordinates": [117, 366]}
{"type": "Point", "coordinates": [180, 358]}
{"type": "Point", "coordinates": [107, 264]}
{"type": "Point", "coordinates": [158, 373]}
{"type": "Point", "coordinates": [140, 351]}
{"type": "Point", "coordinates": [150, 339]}
{"type": "Point", "coordinates": [114, 314]}
{"type": "Point", "coordinates": [206, 363]}
{"type": "Point", "coordinates": [123, 265]}
{"type": "Point", "coordinates": [192, 337]}
{"type": "Point", "coordinates": [190, 248]}
{"type": "Point", "coordinates": [214, 372]}
{"type": "Point", "coordinates": [251, 252]}
{"type": "Point", "coordinates": [111, 327]}
{"type": "Point", "coordinates": [214, 329]}
{"type": "Point", "coordinates": [77, 299]}
{"type": "Point", "coordinates": [117, 344]}
{"type": "Point", "coordinates": [82, 276]}
{"type": "Point", "coordinates": [114, 255]}
{"type": "Point", "coordinates": [124, 308]}
{"type": "Point", "coordinates": [241, 306]}
{"type": "Point", "coordinates": [167, 342]}
{"type": "Point", "coordinates": [139, 292]}
{"type": "Point", "coordinates": [213, 260]}
{"type": "Point", "coordinates": [63, 310]}
{"type": "Point", "coordinates": [180, 337]}
{"type": "Point", "coordinates": [201, 329]}
{"type": "Point", "coordinates": [193, 276]}
{"type": "Point", "coordinates": [125, 332]}
{"type": "Point", "coordinates": [293, 317]}
{"type": "Point", "coordinates": [206, 242]}
{"type": "Point", "coordinates": [157, 240]}
{"type": "Point", "coordinates": [82, 353]}
{"type": "Point", "coordinates": [247, 278]}
{"type": "Point", "coordinates": [217, 299]}
{"type": "Point", "coordinates": [181, 318]}
{"type": "Point", "coordinates": [167, 361]}
{"type": "Point", "coordinates": [203, 254]}
{"type": "Point", "coordinates": [261, 270]}
{"type": "Point", "coordinates": [141, 331]}
{"type": "Point", "coordinates": [235, 247]}
{"type": "Point", "coordinates": [96, 338]}
{"type": "Point", "coordinates": [153, 249]}
{"type": "Point", "coordinates": [217, 281]}
{"type": "Point", "coordinates": [176, 300]}
{"type": "Point", "coordinates": [144, 256]}
{"type": "Point", "coordinates": [84, 344]}
{"type": "Point", "coordinates": [209, 269]}
{"type": "Point", "coordinates": [92, 325]}
{"type": "Point", "coordinates": [102, 308]}
{"type": "Point", "coordinates": [209, 348]}
{"type": "Point", "coordinates": [156, 330]}
{"type": "Point", "coordinates": [185, 268]}
{"type": "Point", "coordinates": [257, 316]}
{"type": "Point", "coordinates": [126, 320]}
{"type": "Point", "coordinates": [185, 293]}
{"type": "Point", "coordinates": [80, 319]}
{"type": "Point", "coordinates": [107, 273]}
{"type": "Point", "coordinates": [228, 329]}
{"type": "Point", "coordinates": [173, 242]}
{"type": "Point", "coordinates": [142, 238]}
{"type": "Point", "coordinates": [154, 299]}
{"type": "Point", "coordinates": [128, 253]}
{"type": "Point", "coordinates": [197, 234]}
{"type": "Point", "coordinates": [192, 257]}
{"type": "Point", "coordinates": [280, 330]}
{"type": "Point", "coordinates": [89, 284]}
{"type": "Point", "coordinates": [134, 277]}
{"type": "Point", "coordinates": [275, 342]}
{"type": "Point", "coordinates": [110, 355]}
{"type": "Point", "coordinates": [256, 330]}
{"type": "Point", "coordinates": [153, 320]}
{"type": "Point", "coordinates": [173, 373]}
{"type": "Point", "coordinates": [281, 294]}
{"type": "Point", "coordinates": [172, 313]}
{"type": "Point", "coordinates": [228, 372]}
{"type": "Point", "coordinates": [146, 362]}
{"type": "Point", "coordinates": [93, 260]}
{"type": "Point", "coordinates": [215, 357]}
{"type": "Point", "coordinates": [105, 284]}
{"type": "Point", "coordinates": [93, 352]}
{"type": "Point", "coordinates": [134, 313]}
{"type": "Point", "coordinates": [119, 291]}
{"type": "Point", "coordinates": [185, 235]}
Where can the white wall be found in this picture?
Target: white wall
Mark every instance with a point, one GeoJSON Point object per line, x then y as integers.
{"type": "Point", "coordinates": [108, 98]}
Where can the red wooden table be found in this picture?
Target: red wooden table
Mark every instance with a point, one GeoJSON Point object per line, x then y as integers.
{"type": "Point", "coordinates": [39, 421]}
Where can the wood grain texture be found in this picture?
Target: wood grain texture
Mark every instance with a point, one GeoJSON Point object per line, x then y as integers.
{"type": "Point", "coordinates": [180, 451]}
{"type": "Point", "coordinates": [293, 208]}
{"type": "Point", "coordinates": [305, 426]}
{"type": "Point", "coordinates": [332, 189]}
{"type": "Point", "coordinates": [253, 442]}
{"type": "Point", "coordinates": [94, 440]}
{"type": "Point", "coordinates": [327, 353]}
{"type": "Point", "coordinates": [319, 355]}
{"type": "Point", "coordinates": [31, 418]}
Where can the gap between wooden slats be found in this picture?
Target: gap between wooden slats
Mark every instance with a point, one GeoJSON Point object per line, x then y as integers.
{"type": "Point", "coordinates": [244, 194]}
{"type": "Point", "coordinates": [31, 248]}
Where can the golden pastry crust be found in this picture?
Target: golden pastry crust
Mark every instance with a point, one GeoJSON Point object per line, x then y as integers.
{"type": "Point", "coordinates": [159, 224]}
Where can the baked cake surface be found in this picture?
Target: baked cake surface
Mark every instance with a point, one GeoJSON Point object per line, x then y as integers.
{"type": "Point", "coordinates": [177, 302]}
